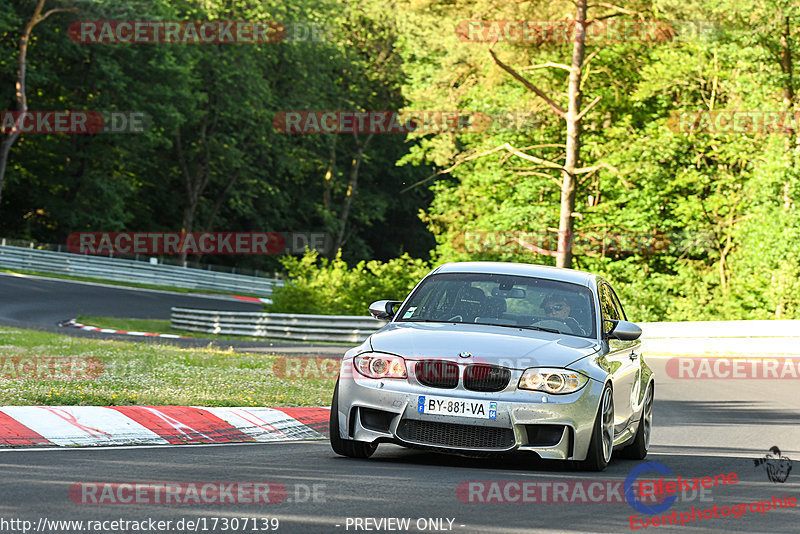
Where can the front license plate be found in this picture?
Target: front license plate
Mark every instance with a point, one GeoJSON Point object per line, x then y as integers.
{"type": "Point", "coordinates": [428, 404]}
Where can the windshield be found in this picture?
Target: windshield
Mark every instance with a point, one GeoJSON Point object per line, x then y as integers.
{"type": "Point", "coordinates": [503, 300]}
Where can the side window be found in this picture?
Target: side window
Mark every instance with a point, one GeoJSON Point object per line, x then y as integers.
{"type": "Point", "coordinates": [607, 307]}
{"type": "Point", "coordinates": [617, 305]}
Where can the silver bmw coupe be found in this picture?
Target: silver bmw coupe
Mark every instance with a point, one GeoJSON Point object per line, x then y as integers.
{"type": "Point", "coordinates": [486, 357]}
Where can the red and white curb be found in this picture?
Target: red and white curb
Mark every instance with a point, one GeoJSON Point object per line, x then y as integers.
{"type": "Point", "coordinates": [82, 426]}
{"type": "Point", "coordinates": [73, 324]}
{"type": "Point", "coordinates": [252, 299]}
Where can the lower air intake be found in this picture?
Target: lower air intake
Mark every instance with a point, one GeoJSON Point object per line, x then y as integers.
{"type": "Point", "coordinates": [454, 435]}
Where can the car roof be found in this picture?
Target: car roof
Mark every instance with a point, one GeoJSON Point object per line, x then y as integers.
{"type": "Point", "coordinates": [520, 269]}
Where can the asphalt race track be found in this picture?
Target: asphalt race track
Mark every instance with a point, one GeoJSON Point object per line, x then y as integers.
{"type": "Point", "coordinates": [41, 303]}
{"type": "Point", "coordinates": [702, 428]}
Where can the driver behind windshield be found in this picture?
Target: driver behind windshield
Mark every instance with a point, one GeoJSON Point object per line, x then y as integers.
{"type": "Point", "coordinates": [556, 307]}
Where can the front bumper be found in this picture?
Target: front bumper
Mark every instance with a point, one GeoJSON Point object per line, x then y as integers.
{"type": "Point", "coordinates": [385, 410]}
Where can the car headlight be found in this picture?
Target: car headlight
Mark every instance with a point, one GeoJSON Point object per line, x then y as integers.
{"type": "Point", "coordinates": [380, 366]}
{"type": "Point", "coordinates": [556, 381]}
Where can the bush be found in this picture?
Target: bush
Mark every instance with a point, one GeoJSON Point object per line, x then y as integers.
{"type": "Point", "coordinates": [330, 287]}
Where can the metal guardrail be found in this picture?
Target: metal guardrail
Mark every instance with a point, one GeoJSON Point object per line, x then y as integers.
{"type": "Point", "coordinates": [334, 328]}
{"type": "Point", "coordinates": [121, 270]}
{"type": "Point", "coordinates": [698, 337]}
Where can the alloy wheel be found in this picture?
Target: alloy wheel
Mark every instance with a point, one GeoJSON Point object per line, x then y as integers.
{"type": "Point", "coordinates": [607, 428]}
{"type": "Point", "coordinates": [648, 416]}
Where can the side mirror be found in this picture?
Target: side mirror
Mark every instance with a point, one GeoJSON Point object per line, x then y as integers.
{"type": "Point", "coordinates": [383, 309]}
{"type": "Point", "coordinates": [625, 331]}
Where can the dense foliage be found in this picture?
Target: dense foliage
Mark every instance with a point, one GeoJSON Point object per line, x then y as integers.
{"type": "Point", "coordinates": [330, 287]}
{"type": "Point", "coordinates": [212, 106]}
{"type": "Point", "coordinates": [724, 204]}
{"type": "Point", "coordinates": [719, 209]}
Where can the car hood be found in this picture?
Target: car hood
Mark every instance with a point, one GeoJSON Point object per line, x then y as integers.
{"type": "Point", "coordinates": [507, 346]}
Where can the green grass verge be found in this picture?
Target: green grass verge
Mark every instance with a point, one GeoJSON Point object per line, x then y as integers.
{"type": "Point", "coordinates": [60, 276]}
{"type": "Point", "coordinates": [148, 374]}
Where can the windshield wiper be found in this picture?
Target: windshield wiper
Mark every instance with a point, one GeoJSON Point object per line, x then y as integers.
{"type": "Point", "coordinates": [530, 327]}
{"type": "Point", "coordinates": [543, 329]}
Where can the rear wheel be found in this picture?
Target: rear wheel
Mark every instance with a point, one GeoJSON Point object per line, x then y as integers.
{"type": "Point", "coordinates": [641, 443]}
{"type": "Point", "coordinates": [602, 443]}
{"type": "Point", "coordinates": [346, 447]}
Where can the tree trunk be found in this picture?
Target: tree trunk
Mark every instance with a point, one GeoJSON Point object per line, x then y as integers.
{"type": "Point", "coordinates": [351, 191]}
{"type": "Point", "coordinates": [20, 88]}
{"type": "Point", "coordinates": [5, 148]}
{"type": "Point", "coordinates": [22, 100]}
{"type": "Point", "coordinates": [326, 195]}
{"type": "Point", "coordinates": [566, 222]}
{"type": "Point", "coordinates": [786, 63]}
{"type": "Point", "coordinates": [194, 185]}
{"type": "Point", "coordinates": [793, 139]}
{"type": "Point", "coordinates": [220, 199]}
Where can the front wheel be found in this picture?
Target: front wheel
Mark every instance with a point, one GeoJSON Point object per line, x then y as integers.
{"type": "Point", "coordinates": [641, 443]}
{"type": "Point", "coordinates": [345, 447]}
{"type": "Point", "coordinates": [602, 442]}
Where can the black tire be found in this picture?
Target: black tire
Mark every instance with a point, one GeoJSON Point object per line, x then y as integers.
{"type": "Point", "coordinates": [638, 449]}
{"type": "Point", "coordinates": [346, 447]}
{"type": "Point", "coordinates": [597, 458]}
